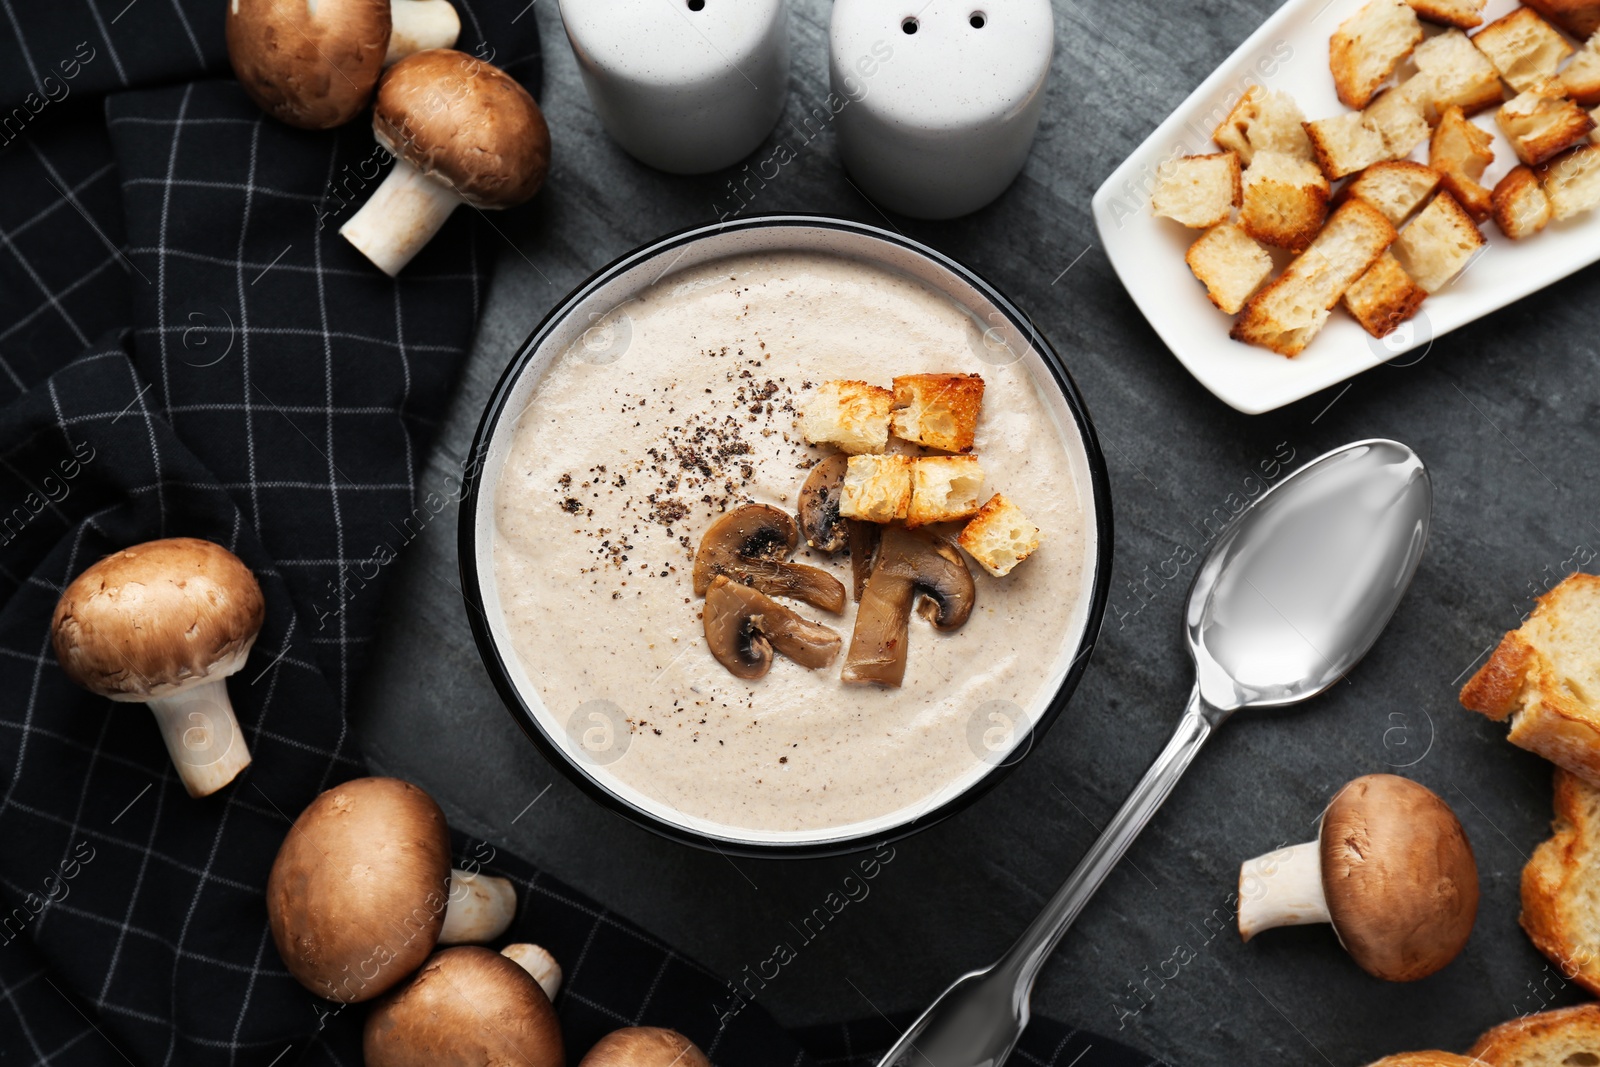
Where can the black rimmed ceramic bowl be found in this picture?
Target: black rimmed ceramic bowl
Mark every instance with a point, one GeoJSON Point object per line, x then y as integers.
{"type": "Point", "coordinates": [588, 740]}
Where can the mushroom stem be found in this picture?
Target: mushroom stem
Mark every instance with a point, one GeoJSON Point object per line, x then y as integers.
{"type": "Point", "coordinates": [1282, 888]}
{"type": "Point", "coordinates": [403, 214]}
{"type": "Point", "coordinates": [202, 735]}
{"type": "Point", "coordinates": [481, 908]}
{"type": "Point", "coordinates": [537, 961]}
{"type": "Point", "coordinates": [420, 25]}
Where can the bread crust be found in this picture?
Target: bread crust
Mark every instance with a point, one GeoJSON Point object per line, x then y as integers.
{"type": "Point", "coordinates": [1542, 123]}
{"type": "Point", "coordinates": [1581, 18]}
{"type": "Point", "coordinates": [937, 410]}
{"type": "Point", "coordinates": [1559, 872]}
{"type": "Point", "coordinates": [1519, 204]}
{"type": "Point", "coordinates": [1426, 1058]}
{"type": "Point", "coordinates": [850, 414]}
{"type": "Point", "coordinates": [1512, 1042]}
{"type": "Point", "coordinates": [1464, 14]}
{"type": "Point", "coordinates": [1384, 297]}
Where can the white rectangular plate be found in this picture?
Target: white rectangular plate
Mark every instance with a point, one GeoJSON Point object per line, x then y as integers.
{"type": "Point", "coordinates": [1290, 52]}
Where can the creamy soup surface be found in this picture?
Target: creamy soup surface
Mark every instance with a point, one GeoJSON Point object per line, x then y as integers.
{"type": "Point", "coordinates": [635, 440]}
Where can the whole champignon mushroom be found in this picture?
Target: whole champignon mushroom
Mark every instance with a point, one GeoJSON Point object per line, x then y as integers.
{"type": "Point", "coordinates": [362, 890]}
{"type": "Point", "coordinates": [462, 132]}
{"type": "Point", "coordinates": [314, 65]}
{"type": "Point", "coordinates": [537, 961]}
{"type": "Point", "coordinates": [743, 627]}
{"type": "Point", "coordinates": [908, 563]}
{"type": "Point", "coordinates": [751, 545]}
{"type": "Point", "coordinates": [466, 1006]}
{"type": "Point", "coordinates": [645, 1046]}
{"type": "Point", "coordinates": [1391, 869]}
{"type": "Point", "coordinates": [163, 624]}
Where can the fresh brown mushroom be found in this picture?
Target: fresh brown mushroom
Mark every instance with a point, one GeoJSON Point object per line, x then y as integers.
{"type": "Point", "coordinates": [645, 1046]}
{"type": "Point", "coordinates": [362, 890]}
{"type": "Point", "coordinates": [751, 545]}
{"type": "Point", "coordinates": [314, 65]}
{"type": "Point", "coordinates": [537, 961]}
{"type": "Point", "coordinates": [462, 132]}
{"type": "Point", "coordinates": [820, 522]}
{"type": "Point", "coordinates": [909, 563]}
{"type": "Point", "coordinates": [164, 624]}
{"type": "Point", "coordinates": [744, 626]}
{"type": "Point", "coordinates": [465, 1006]}
{"type": "Point", "coordinates": [1391, 869]}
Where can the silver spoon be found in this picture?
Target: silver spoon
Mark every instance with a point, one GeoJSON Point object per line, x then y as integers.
{"type": "Point", "coordinates": [1289, 598]}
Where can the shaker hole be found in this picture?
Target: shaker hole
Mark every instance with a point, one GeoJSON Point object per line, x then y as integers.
{"type": "Point", "coordinates": [909, 25]}
{"type": "Point", "coordinates": [697, 5]}
{"type": "Point", "coordinates": [977, 20]}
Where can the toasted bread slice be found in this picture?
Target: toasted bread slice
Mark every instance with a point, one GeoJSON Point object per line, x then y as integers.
{"type": "Point", "coordinates": [1230, 264]}
{"type": "Point", "coordinates": [1198, 191]}
{"type": "Point", "coordinates": [1285, 200]}
{"type": "Point", "coordinates": [1463, 13]}
{"type": "Point", "coordinates": [1581, 18]}
{"type": "Point", "coordinates": [1572, 181]}
{"type": "Point", "coordinates": [1542, 123]}
{"type": "Point", "coordinates": [1438, 244]}
{"type": "Point", "coordinates": [1264, 120]}
{"type": "Point", "coordinates": [1581, 79]}
{"type": "Point", "coordinates": [1287, 314]}
{"type": "Point", "coordinates": [1545, 675]}
{"type": "Point", "coordinates": [1523, 47]}
{"type": "Point", "coordinates": [852, 415]}
{"type": "Point", "coordinates": [1452, 72]}
{"type": "Point", "coordinates": [1395, 187]}
{"type": "Point", "coordinates": [937, 410]}
{"type": "Point", "coordinates": [1383, 297]}
{"type": "Point", "coordinates": [876, 488]}
{"type": "Point", "coordinates": [1390, 127]}
{"type": "Point", "coordinates": [943, 489]}
{"type": "Point", "coordinates": [1565, 1037]}
{"type": "Point", "coordinates": [1429, 1058]}
{"type": "Point", "coordinates": [1561, 881]}
{"type": "Point", "coordinates": [1461, 151]}
{"type": "Point", "coordinates": [1521, 208]}
{"type": "Point", "coordinates": [1000, 536]}
{"type": "Point", "coordinates": [1368, 46]}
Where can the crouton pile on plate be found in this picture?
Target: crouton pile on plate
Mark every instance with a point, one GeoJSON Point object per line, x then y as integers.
{"type": "Point", "coordinates": [1397, 230]}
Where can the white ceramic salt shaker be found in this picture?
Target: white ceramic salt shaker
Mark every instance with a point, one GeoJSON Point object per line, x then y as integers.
{"type": "Point", "coordinates": [687, 86]}
{"type": "Point", "coordinates": [944, 124]}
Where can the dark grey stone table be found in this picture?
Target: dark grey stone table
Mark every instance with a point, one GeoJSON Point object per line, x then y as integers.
{"type": "Point", "coordinates": [1506, 413]}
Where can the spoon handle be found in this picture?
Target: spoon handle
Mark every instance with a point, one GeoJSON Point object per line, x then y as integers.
{"type": "Point", "coordinates": [1023, 960]}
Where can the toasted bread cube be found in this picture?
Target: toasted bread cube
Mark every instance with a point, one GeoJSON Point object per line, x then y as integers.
{"type": "Point", "coordinates": [1463, 13]}
{"type": "Point", "coordinates": [1264, 120]}
{"type": "Point", "coordinates": [1396, 187]}
{"type": "Point", "coordinates": [1572, 181]}
{"type": "Point", "coordinates": [943, 489]}
{"type": "Point", "coordinates": [1287, 314]}
{"type": "Point", "coordinates": [852, 415]}
{"type": "Point", "coordinates": [937, 410]}
{"type": "Point", "coordinates": [1521, 208]}
{"type": "Point", "coordinates": [1451, 71]}
{"type": "Point", "coordinates": [1384, 297]}
{"type": "Point", "coordinates": [1389, 128]}
{"type": "Point", "coordinates": [1542, 123]}
{"type": "Point", "coordinates": [1438, 244]}
{"type": "Point", "coordinates": [1368, 46]}
{"type": "Point", "coordinates": [1231, 264]}
{"type": "Point", "coordinates": [1581, 79]}
{"type": "Point", "coordinates": [1285, 200]}
{"type": "Point", "coordinates": [1581, 18]}
{"type": "Point", "coordinates": [877, 488]}
{"type": "Point", "coordinates": [1198, 191]}
{"type": "Point", "coordinates": [1523, 47]}
{"type": "Point", "coordinates": [1461, 151]}
{"type": "Point", "coordinates": [1000, 536]}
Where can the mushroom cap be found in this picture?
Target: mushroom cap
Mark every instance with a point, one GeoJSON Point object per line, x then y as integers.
{"type": "Point", "coordinates": [750, 544]}
{"type": "Point", "coordinates": [359, 890]}
{"type": "Point", "coordinates": [465, 123]}
{"type": "Point", "coordinates": [467, 1006]}
{"type": "Point", "coordinates": [157, 618]}
{"type": "Point", "coordinates": [1399, 877]}
{"type": "Point", "coordinates": [909, 563]}
{"type": "Point", "coordinates": [645, 1046]}
{"type": "Point", "coordinates": [311, 65]}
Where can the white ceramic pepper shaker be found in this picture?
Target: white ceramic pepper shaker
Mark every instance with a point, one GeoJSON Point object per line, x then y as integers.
{"type": "Point", "coordinates": [944, 125]}
{"type": "Point", "coordinates": [687, 86]}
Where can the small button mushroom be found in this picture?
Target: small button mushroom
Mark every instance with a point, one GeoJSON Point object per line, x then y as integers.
{"type": "Point", "coordinates": [314, 65]}
{"type": "Point", "coordinates": [462, 132]}
{"type": "Point", "coordinates": [362, 890]}
{"type": "Point", "coordinates": [908, 563]}
{"type": "Point", "coordinates": [465, 1006]}
{"type": "Point", "coordinates": [743, 627]}
{"type": "Point", "coordinates": [164, 623]}
{"type": "Point", "coordinates": [751, 545]}
{"type": "Point", "coordinates": [645, 1046]}
{"type": "Point", "coordinates": [537, 961]}
{"type": "Point", "coordinates": [1391, 869]}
